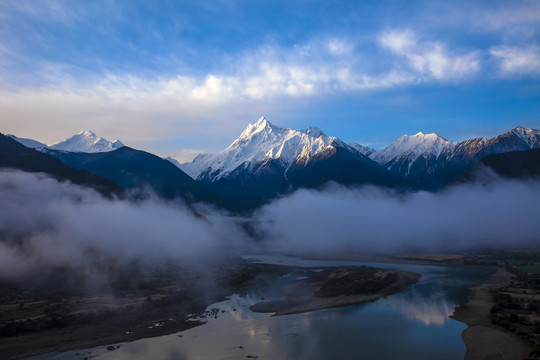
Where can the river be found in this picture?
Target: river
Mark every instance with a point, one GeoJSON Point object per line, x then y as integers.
{"type": "Point", "coordinates": [413, 324]}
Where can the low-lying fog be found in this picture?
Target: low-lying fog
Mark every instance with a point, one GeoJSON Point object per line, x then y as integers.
{"type": "Point", "coordinates": [47, 223]}
{"type": "Point", "coordinates": [375, 219]}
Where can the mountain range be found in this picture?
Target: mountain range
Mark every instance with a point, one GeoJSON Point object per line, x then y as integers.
{"type": "Point", "coordinates": [430, 161]}
{"type": "Point", "coordinates": [267, 161]}
{"type": "Point", "coordinates": [96, 159]}
{"type": "Point", "coordinates": [421, 161]}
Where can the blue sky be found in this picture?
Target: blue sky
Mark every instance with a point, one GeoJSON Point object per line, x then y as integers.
{"type": "Point", "coordinates": [182, 77]}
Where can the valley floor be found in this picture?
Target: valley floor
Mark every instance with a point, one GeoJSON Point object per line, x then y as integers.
{"type": "Point", "coordinates": [154, 315]}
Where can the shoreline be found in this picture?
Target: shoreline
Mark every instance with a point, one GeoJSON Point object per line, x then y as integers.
{"type": "Point", "coordinates": [80, 338]}
{"type": "Point", "coordinates": [482, 338]}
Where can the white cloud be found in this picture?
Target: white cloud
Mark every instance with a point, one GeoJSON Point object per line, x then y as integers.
{"type": "Point", "coordinates": [214, 106]}
{"type": "Point", "coordinates": [267, 73]}
{"type": "Point", "coordinates": [398, 41]}
{"type": "Point", "coordinates": [430, 59]}
{"type": "Point", "coordinates": [517, 60]}
{"type": "Point", "coordinates": [214, 87]}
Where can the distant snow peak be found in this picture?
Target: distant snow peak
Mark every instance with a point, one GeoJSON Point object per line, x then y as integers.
{"type": "Point", "coordinates": [259, 143]}
{"type": "Point", "coordinates": [87, 142]}
{"type": "Point", "coordinates": [414, 146]}
{"type": "Point", "coordinates": [425, 136]}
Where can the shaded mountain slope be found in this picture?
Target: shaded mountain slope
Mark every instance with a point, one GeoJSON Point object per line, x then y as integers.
{"type": "Point", "coordinates": [343, 167]}
{"type": "Point", "coordinates": [17, 156]}
{"type": "Point", "coordinates": [513, 165]}
{"type": "Point", "coordinates": [139, 170]}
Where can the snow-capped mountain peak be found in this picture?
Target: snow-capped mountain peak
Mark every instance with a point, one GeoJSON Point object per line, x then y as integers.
{"type": "Point", "coordinates": [87, 142]}
{"type": "Point", "coordinates": [261, 142]}
{"type": "Point", "coordinates": [414, 146]}
{"type": "Point", "coordinates": [260, 126]}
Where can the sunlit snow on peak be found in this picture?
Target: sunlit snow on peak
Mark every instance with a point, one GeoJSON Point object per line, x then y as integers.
{"type": "Point", "coordinates": [260, 142]}
{"type": "Point", "coordinates": [88, 142]}
{"type": "Point", "coordinates": [414, 146]}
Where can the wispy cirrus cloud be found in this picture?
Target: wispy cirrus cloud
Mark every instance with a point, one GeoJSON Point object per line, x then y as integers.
{"type": "Point", "coordinates": [431, 59]}
{"type": "Point", "coordinates": [127, 105]}
{"type": "Point", "coordinates": [316, 67]}
{"type": "Point", "coordinates": [515, 60]}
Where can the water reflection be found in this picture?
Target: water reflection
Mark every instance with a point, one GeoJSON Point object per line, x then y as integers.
{"type": "Point", "coordinates": [413, 324]}
{"type": "Point", "coordinates": [434, 310]}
